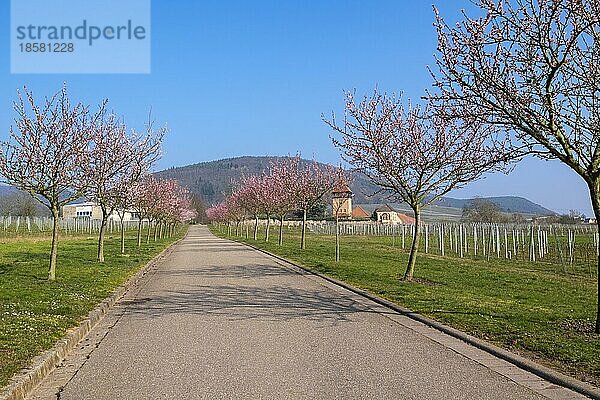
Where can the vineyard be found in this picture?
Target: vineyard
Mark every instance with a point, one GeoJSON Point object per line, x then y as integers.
{"type": "Point", "coordinates": [568, 246]}
{"type": "Point", "coordinates": [40, 226]}
{"type": "Point", "coordinates": [572, 247]}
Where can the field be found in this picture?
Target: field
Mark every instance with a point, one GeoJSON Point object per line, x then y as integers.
{"type": "Point", "coordinates": [34, 312]}
{"type": "Point", "coordinates": [535, 309]}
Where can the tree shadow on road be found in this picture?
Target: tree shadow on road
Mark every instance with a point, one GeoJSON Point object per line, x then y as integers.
{"type": "Point", "coordinates": [273, 303]}
{"type": "Point", "coordinates": [195, 248]}
{"type": "Point", "coordinates": [241, 271]}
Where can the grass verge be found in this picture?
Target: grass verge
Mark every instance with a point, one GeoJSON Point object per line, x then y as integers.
{"type": "Point", "coordinates": [531, 309]}
{"type": "Point", "coordinates": [34, 312]}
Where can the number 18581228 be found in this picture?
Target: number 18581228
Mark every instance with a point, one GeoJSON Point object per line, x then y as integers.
{"type": "Point", "coordinates": [33, 47]}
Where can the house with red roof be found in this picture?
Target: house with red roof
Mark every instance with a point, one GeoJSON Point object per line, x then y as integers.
{"type": "Point", "coordinates": [359, 213]}
{"type": "Point", "coordinates": [387, 215]}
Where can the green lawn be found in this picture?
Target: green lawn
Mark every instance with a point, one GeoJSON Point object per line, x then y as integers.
{"type": "Point", "coordinates": [529, 308]}
{"type": "Point", "coordinates": [34, 312]}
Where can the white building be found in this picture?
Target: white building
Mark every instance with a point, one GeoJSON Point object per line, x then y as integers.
{"type": "Point", "coordinates": [387, 215]}
{"type": "Point", "coordinates": [91, 210]}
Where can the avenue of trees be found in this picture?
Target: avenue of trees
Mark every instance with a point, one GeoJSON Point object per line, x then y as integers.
{"type": "Point", "coordinates": [522, 77]}
{"type": "Point", "coordinates": [289, 185]}
{"type": "Point", "coordinates": [59, 152]}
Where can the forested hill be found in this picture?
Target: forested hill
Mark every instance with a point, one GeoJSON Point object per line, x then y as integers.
{"type": "Point", "coordinates": [212, 179]}
{"type": "Point", "coordinates": [510, 204]}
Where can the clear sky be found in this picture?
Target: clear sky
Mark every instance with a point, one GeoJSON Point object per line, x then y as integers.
{"type": "Point", "coordinates": [234, 78]}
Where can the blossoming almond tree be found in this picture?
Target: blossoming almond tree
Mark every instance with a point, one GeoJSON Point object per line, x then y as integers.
{"type": "Point", "coordinates": [218, 213]}
{"type": "Point", "coordinates": [249, 195]}
{"type": "Point", "coordinates": [143, 203]}
{"type": "Point", "coordinates": [235, 211]}
{"type": "Point", "coordinates": [281, 182]}
{"type": "Point", "coordinates": [47, 152]}
{"type": "Point", "coordinates": [182, 210]}
{"type": "Point", "coordinates": [110, 157]}
{"type": "Point", "coordinates": [270, 192]}
{"type": "Point", "coordinates": [164, 202]}
{"type": "Point", "coordinates": [531, 67]}
{"type": "Point", "coordinates": [413, 154]}
{"type": "Point", "coordinates": [122, 200]}
{"type": "Point", "coordinates": [144, 150]}
{"type": "Point", "coordinates": [161, 202]}
{"type": "Point", "coordinates": [310, 182]}
{"type": "Point", "coordinates": [176, 200]}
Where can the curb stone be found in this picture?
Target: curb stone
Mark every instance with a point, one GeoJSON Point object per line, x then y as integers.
{"type": "Point", "coordinates": [521, 362]}
{"type": "Point", "coordinates": [25, 381]}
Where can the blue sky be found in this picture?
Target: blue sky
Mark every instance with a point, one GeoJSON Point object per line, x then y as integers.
{"type": "Point", "coordinates": [233, 78]}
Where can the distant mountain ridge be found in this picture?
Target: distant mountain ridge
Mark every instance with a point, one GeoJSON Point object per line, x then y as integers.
{"type": "Point", "coordinates": [212, 179]}
{"type": "Point", "coordinates": [509, 204]}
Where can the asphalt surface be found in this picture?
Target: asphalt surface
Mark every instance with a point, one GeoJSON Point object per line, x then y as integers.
{"type": "Point", "coordinates": [218, 320]}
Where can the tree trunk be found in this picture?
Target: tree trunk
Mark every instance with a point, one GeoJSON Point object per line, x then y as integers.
{"type": "Point", "coordinates": [281, 229]}
{"type": "Point", "coordinates": [148, 233]}
{"type": "Point", "coordinates": [155, 230]}
{"type": "Point", "coordinates": [414, 248]}
{"type": "Point", "coordinates": [267, 229]}
{"type": "Point", "coordinates": [139, 235]}
{"type": "Point", "coordinates": [100, 257]}
{"type": "Point", "coordinates": [303, 241]}
{"type": "Point", "coordinates": [54, 251]}
{"type": "Point", "coordinates": [595, 197]}
{"type": "Point", "coordinates": [255, 235]}
{"type": "Point", "coordinates": [123, 235]}
{"type": "Point", "coordinates": [337, 238]}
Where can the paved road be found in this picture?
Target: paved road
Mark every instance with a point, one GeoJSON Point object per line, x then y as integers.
{"type": "Point", "coordinates": [217, 320]}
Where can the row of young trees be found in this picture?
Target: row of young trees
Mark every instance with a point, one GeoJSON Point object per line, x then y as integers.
{"type": "Point", "coordinates": [162, 203]}
{"type": "Point", "coordinates": [289, 185]}
{"type": "Point", "coordinates": [520, 78]}
{"type": "Point", "coordinates": [59, 152]}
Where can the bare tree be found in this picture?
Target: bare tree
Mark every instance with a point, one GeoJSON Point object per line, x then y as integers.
{"type": "Point", "coordinates": [412, 154]}
{"type": "Point", "coordinates": [482, 210]}
{"type": "Point", "coordinates": [22, 204]}
{"type": "Point", "coordinates": [531, 67]}
{"type": "Point", "coordinates": [47, 152]}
